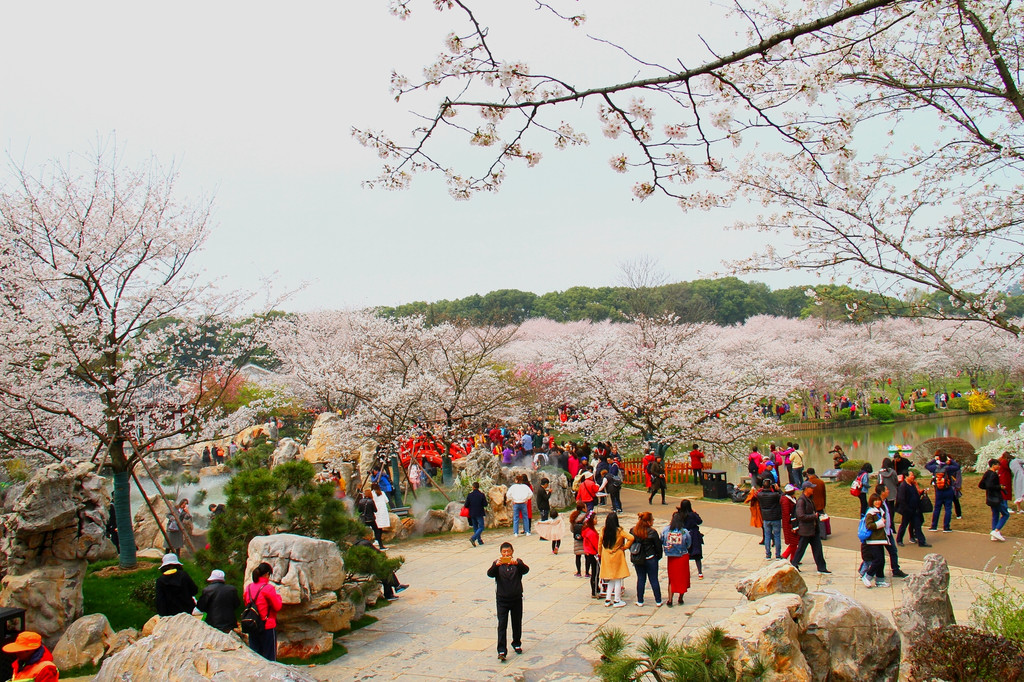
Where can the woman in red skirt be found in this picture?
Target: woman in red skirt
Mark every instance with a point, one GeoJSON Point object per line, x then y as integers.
{"type": "Point", "coordinates": [676, 541]}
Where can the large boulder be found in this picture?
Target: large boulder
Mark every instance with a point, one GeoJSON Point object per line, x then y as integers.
{"type": "Point", "coordinates": [328, 441]}
{"type": "Point", "coordinates": [287, 450]}
{"type": "Point", "coordinates": [50, 527]}
{"type": "Point", "coordinates": [768, 629]}
{"type": "Point", "coordinates": [778, 577]}
{"type": "Point", "coordinates": [121, 640]}
{"type": "Point", "coordinates": [147, 532]}
{"type": "Point", "coordinates": [308, 573]}
{"type": "Point", "coordinates": [499, 512]}
{"type": "Point", "coordinates": [434, 521]}
{"type": "Point", "coordinates": [185, 649]}
{"type": "Point", "coordinates": [926, 604]}
{"type": "Point", "coordinates": [845, 641]}
{"type": "Point", "coordinates": [479, 465]}
{"type": "Point", "coordinates": [84, 643]}
{"type": "Point", "coordinates": [51, 596]}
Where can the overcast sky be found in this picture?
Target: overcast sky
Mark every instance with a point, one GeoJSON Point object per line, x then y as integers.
{"type": "Point", "coordinates": [254, 103]}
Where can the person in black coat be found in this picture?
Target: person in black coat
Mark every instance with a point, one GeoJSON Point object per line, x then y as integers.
{"type": "Point", "coordinates": [770, 500]}
{"type": "Point", "coordinates": [476, 503]}
{"type": "Point", "coordinates": [219, 601]}
{"type": "Point", "coordinates": [175, 591]}
{"type": "Point", "coordinates": [908, 504]}
{"type": "Point", "coordinates": [508, 594]}
{"type": "Point", "coordinates": [994, 499]}
{"type": "Point", "coordinates": [808, 529]}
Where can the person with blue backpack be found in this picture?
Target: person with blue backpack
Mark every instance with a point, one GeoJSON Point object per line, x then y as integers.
{"type": "Point", "coordinates": [872, 532]}
{"type": "Point", "coordinates": [676, 541]}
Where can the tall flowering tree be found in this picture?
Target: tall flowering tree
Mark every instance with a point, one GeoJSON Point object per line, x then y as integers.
{"type": "Point", "coordinates": [671, 382]}
{"type": "Point", "coordinates": [883, 137]}
{"type": "Point", "coordinates": [98, 308]}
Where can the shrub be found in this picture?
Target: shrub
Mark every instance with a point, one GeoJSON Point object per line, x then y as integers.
{"type": "Point", "coordinates": [961, 654]}
{"type": "Point", "coordinates": [853, 464]}
{"type": "Point", "coordinates": [1000, 610]}
{"type": "Point", "coordinates": [703, 658]}
{"type": "Point", "coordinates": [791, 418]}
{"type": "Point", "coordinates": [17, 470]}
{"type": "Point", "coordinates": [957, 448]}
{"type": "Point", "coordinates": [841, 416]}
{"type": "Point", "coordinates": [882, 412]}
{"type": "Point", "coordinates": [958, 403]}
{"type": "Point", "coordinates": [924, 407]}
{"type": "Point", "coordinates": [979, 402]}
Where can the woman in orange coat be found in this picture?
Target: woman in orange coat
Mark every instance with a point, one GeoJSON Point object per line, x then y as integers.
{"type": "Point", "coordinates": [755, 513]}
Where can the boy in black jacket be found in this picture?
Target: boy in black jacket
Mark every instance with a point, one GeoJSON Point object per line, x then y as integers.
{"type": "Point", "coordinates": [508, 583]}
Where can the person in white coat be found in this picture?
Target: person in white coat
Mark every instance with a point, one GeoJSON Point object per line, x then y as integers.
{"type": "Point", "coordinates": [382, 516]}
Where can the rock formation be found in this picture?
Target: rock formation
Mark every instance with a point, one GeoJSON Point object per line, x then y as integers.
{"type": "Point", "coordinates": [185, 648]}
{"type": "Point", "coordinates": [308, 573]}
{"type": "Point", "coordinates": [84, 643]}
{"type": "Point", "coordinates": [287, 450]}
{"type": "Point", "coordinates": [845, 641]}
{"type": "Point", "coordinates": [50, 527]}
{"type": "Point", "coordinates": [926, 604]}
{"type": "Point", "coordinates": [775, 578]}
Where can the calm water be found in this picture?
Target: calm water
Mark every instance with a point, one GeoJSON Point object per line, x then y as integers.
{"type": "Point", "coordinates": [872, 443]}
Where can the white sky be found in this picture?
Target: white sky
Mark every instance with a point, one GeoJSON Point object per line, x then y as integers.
{"type": "Point", "coordinates": [254, 103]}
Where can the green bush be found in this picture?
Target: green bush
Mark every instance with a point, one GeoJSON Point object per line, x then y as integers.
{"type": "Point", "coordinates": [960, 654]}
{"type": "Point", "coordinates": [924, 407]}
{"type": "Point", "coordinates": [958, 403]}
{"type": "Point", "coordinates": [1000, 610]}
{"type": "Point", "coordinates": [841, 416]}
{"type": "Point", "coordinates": [791, 418]}
{"type": "Point", "coordinates": [881, 412]}
{"type": "Point", "coordinates": [853, 464]}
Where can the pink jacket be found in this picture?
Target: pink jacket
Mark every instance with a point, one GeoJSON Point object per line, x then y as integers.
{"type": "Point", "coordinates": [268, 601]}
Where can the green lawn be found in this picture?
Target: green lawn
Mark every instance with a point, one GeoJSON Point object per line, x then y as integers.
{"type": "Point", "coordinates": [125, 597]}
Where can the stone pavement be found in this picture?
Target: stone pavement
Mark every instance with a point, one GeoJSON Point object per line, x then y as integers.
{"type": "Point", "coordinates": [443, 627]}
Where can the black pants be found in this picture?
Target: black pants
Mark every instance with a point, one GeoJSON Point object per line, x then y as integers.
{"type": "Point", "coordinates": [906, 521]}
{"type": "Point", "coordinates": [956, 506]}
{"type": "Point", "coordinates": [815, 542]}
{"type": "Point", "coordinates": [656, 485]}
{"type": "Point", "coordinates": [876, 569]}
{"type": "Point", "coordinates": [507, 607]}
{"type": "Point", "coordinates": [894, 557]}
{"type": "Point", "coordinates": [594, 569]}
{"type": "Point", "coordinates": [614, 493]}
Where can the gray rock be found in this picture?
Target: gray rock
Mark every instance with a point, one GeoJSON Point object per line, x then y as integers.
{"type": "Point", "coordinates": [287, 450]}
{"type": "Point", "coordinates": [84, 643]}
{"type": "Point", "coordinates": [434, 521]}
{"type": "Point", "coordinates": [185, 649]}
{"type": "Point", "coordinates": [778, 577]}
{"type": "Point", "coordinates": [51, 596]}
{"type": "Point", "coordinates": [769, 629]}
{"type": "Point", "coordinates": [478, 465]}
{"type": "Point", "coordinates": [845, 641]}
{"type": "Point", "coordinates": [926, 604]}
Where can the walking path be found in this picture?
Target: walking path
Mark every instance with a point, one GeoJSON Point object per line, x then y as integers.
{"type": "Point", "coordinates": [443, 627]}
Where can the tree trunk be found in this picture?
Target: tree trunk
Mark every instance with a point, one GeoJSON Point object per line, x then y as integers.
{"type": "Point", "coordinates": [123, 512]}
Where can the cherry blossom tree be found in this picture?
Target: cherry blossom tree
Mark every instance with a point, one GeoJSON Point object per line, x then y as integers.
{"type": "Point", "coordinates": [98, 306]}
{"type": "Point", "coordinates": [671, 382]}
{"type": "Point", "coordinates": [882, 137]}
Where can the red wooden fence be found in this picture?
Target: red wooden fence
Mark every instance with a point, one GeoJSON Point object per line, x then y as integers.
{"type": "Point", "coordinates": [675, 472]}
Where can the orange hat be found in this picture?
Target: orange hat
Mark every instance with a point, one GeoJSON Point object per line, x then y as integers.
{"type": "Point", "coordinates": [26, 641]}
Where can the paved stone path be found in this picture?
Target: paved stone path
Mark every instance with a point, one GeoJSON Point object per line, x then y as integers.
{"type": "Point", "coordinates": [443, 627]}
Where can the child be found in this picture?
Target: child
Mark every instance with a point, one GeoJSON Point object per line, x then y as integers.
{"type": "Point", "coordinates": [508, 585]}
{"type": "Point", "coordinates": [543, 499]}
{"type": "Point", "coordinates": [551, 529]}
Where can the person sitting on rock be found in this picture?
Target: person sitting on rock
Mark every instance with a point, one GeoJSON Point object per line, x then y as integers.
{"type": "Point", "coordinates": [32, 660]}
{"type": "Point", "coordinates": [219, 601]}
{"type": "Point", "coordinates": [175, 591]}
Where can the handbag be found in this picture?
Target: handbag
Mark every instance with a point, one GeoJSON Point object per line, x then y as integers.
{"type": "Point", "coordinates": [464, 512]}
{"type": "Point", "coordinates": [926, 503]}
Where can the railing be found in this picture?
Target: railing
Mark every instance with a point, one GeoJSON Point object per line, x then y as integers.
{"type": "Point", "coordinates": [675, 472]}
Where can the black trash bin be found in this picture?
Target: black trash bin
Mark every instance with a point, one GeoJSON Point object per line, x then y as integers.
{"type": "Point", "coordinates": [12, 622]}
{"type": "Point", "coordinates": [714, 484]}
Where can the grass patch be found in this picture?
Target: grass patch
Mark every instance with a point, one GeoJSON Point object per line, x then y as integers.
{"type": "Point", "coordinates": [125, 597]}
{"type": "Point", "coordinates": [80, 671]}
{"type": "Point", "coordinates": [337, 651]}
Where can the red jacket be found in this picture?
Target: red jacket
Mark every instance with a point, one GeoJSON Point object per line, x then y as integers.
{"type": "Point", "coordinates": [591, 542]}
{"type": "Point", "coordinates": [268, 601]}
{"type": "Point", "coordinates": [1005, 478]}
{"type": "Point", "coordinates": [587, 490]}
{"type": "Point", "coordinates": [43, 670]}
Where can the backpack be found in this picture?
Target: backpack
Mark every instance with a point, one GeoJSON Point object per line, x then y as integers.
{"type": "Point", "coordinates": [941, 479]}
{"type": "Point", "coordinates": [855, 487]}
{"type": "Point", "coordinates": [863, 532]}
{"type": "Point", "coordinates": [577, 531]}
{"type": "Point", "coordinates": [636, 552]}
{"type": "Point", "coordinates": [250, 621]}
{"type": "Point", "coordinates": [751, 467]}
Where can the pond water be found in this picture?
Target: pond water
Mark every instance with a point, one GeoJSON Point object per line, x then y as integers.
{"type": "Point", "coordinates": [871, 443]}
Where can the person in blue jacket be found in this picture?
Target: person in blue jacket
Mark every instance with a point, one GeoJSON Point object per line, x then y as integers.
{"type": "Point", "coordinates": [944, 470]}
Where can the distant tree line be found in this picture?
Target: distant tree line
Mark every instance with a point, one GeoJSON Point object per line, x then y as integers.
{"type": "Point", "coordinates": [723, 301]}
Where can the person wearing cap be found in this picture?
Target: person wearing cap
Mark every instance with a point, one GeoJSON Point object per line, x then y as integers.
{"type": "Point", "coordinates": [587, 492]}
{"type": "Point", "coordinates": [32, 660]}
{"type": "Point", "coordinates": [808, 529]}
{"type": "Point", "coordinates": [175, 591]}
{"type": "Point", "coordinates": [219, 601]}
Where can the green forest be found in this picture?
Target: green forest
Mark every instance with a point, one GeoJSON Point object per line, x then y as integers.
{"type": "Point", "coordinates": [724, 301]}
